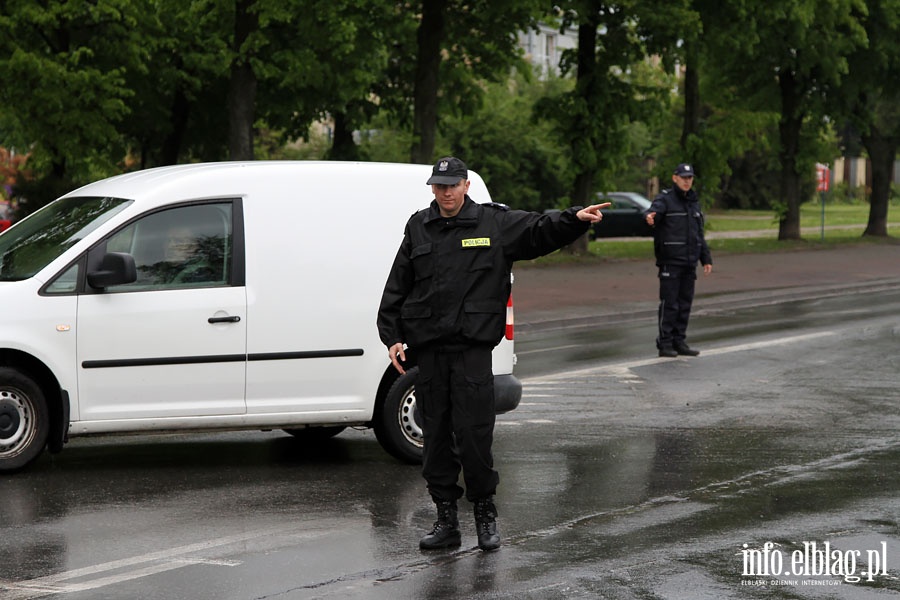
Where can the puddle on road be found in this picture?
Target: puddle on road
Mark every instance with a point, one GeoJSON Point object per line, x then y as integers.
{"type": "Point", "coordinates": [694, 497]}
{"type": "Point", "coordinates": [767, 473]}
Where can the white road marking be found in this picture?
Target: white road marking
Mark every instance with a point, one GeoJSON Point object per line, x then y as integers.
{"type": "Point", "coordinates": [144, 565]}
{"type": "Point", "coordinates": [624, 369]}
{"type": "Point", "coordinates": [554, 349]}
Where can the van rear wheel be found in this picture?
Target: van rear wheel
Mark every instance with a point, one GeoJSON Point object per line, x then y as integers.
{"type": "Point", "coordinates": [24, 422]}
{"type": "Point", "coordinates": [398, 425]}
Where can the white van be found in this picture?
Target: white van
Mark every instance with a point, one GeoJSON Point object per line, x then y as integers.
{"type": "Point", "coordinates": [212, 297]}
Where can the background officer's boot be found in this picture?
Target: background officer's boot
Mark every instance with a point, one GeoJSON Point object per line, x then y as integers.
{"type": "Point", "coordinates": [486, 524]}
{"type": "Point", "coordinates": [445, 532]}
{"type": "Point", "coordinates": [665, 348]}
{"type": "Point", "coordinates": [685, 350]}
{"type": "Point", "coordinates": [668, 352]}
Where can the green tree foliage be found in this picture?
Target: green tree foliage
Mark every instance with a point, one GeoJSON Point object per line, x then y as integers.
{"type": "Point", "coordinates": [594, 117]}
{"type": "Point", "coordinates": [536, 175]}
{"type": "Point", "coordinates": [729, 144]}
{"type": "Point", "coordinates": [96, 87]}
{"type": "Point", "coordinates": [178, 111]}
{"type": "Point", "coordinates": [458, 45]}
{"type": "Point", "coordinates": [323, 61]}
{"type": "Point", "coordinates": [65, 92]}
{"type": "Point", "coordinates": [707, 127]}
{"type": "Point", "coordinates": [873, 100]}
{"type": "Point", "coordinates": [271, 64]}
{"type": "Point", "coordinates": [788, 57]}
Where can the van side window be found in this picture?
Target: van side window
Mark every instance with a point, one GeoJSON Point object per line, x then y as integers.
{"type": "Point", "coordinates": [65, 283]}
{"type": "Point", "coordinates": [184, 247]}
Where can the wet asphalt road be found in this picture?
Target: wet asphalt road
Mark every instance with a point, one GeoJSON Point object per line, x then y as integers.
{"type": "Point", "coordinates": [622, 476]}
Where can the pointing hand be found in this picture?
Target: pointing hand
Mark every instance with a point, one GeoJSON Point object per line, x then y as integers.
{"type": "Point", "coordinates": [592, 213]}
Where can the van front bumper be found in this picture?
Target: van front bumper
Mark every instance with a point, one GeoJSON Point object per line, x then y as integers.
{"type": "Point", "coordinates": [507, 393]}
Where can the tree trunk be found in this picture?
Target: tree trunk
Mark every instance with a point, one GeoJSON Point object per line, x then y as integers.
{"type": "Point", "coordinates": [691, 123]}
{"type": "Point", "coordinates": [342, 146]}
{"type": "Point", "coordinates": [586, 79]}
{"type": "Point", "coordinates": [429, 38]}
{"type": "Point", "coordinates": [242, 86]}
{"type": "Point", "coordinates": [171, 146]}
{"type": "Point", "coordinates": [58, 168]}
{"type": "Point", "coordinates": [882, 151]}
{"type": "Point", "coordinates": [789, 128]}
{"type": "Point", "coordinates": [584, 186]}
{"type": "Point", "coordinates": [789, 224]}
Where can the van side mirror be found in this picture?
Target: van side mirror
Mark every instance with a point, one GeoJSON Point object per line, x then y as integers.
{"type": "Point", "coordinates": [116, 268]}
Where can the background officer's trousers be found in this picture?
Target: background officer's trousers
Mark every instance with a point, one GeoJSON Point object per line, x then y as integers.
{"type": "Point", "coordinates": [455, 393]}
{"type": "Point", "coordinates": [676, 294]}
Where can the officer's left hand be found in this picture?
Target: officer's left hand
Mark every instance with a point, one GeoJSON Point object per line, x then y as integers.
{"type": "Point", "coordinates": [397, 354]}
{"type": "Point", "coordinates": [592, 213]}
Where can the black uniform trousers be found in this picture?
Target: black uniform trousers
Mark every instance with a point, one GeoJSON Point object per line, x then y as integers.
{"type": "Point", "coordinates": [676, 294]}
{"type": "Point", "coordinates": [455, 393]}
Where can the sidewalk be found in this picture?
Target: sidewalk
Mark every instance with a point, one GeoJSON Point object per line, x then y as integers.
{"type": "Point", "coordinates": [546, 295]}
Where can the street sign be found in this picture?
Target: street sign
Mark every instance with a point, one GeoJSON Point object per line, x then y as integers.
{"type": "Point", "coordinates": [823, 177]}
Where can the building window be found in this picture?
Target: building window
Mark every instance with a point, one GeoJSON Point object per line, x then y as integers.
{"type": "Point", "coordinates": [550, 61]}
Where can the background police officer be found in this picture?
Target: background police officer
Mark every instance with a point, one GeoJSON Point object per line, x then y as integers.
{"type": "Point", "coordinates": [445, 299]}
{"type": "Point", "coordinates": [679, 245]}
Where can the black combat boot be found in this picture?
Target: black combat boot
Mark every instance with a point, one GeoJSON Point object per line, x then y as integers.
{"type": "Point", "coordinates": [486, 524]}
{"type": "Point", "coordinates": [445, 532]}
{"type": "Point", "coordinates": [685, 350]}
{"type": "Point", "coordinates": [668, 352]}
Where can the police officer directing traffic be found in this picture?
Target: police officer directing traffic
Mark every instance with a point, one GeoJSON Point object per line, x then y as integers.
{"type": "Point", "coordinates": [679, 244]}
{"type": "Point", "coordinates": [445, 300]}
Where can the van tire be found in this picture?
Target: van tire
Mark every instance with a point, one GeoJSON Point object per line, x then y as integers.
{"type": "Point", "coordinates": [24, 419]}
{"type": "Point", "coordinates": [398, 424]}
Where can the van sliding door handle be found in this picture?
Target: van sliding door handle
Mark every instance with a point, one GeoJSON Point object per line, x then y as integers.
{"type": "Point", "coordinates": [224, 319]}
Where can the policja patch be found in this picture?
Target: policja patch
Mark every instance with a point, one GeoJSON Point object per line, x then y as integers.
{"type": "Point", "coordinates": [476, 243]}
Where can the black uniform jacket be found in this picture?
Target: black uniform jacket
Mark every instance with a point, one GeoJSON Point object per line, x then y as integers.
{"type": "Point", "coordinates": [450, 280]}
{"type": "Point", "coordinates": [678, 229]}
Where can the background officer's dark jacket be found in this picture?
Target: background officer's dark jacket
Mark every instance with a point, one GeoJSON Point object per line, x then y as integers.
{"type": "Point", "coordinates": [450, 280]}
{"type": "Point", "coordinates": [678, 229]}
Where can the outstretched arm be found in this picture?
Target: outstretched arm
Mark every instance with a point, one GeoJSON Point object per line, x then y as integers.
{"type": "Point", "coordinates": [657, 209]}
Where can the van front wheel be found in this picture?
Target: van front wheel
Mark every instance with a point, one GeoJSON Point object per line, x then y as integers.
{"type": "Point", "coordinates": [398, 425]}
{"type": "Point", "coordinates": [24, 423]}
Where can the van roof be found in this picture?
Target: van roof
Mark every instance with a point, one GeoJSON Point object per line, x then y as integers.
{"type": "Point", "coordinates": [211, 179]}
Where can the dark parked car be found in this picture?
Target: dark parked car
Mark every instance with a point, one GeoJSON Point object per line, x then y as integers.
{"type": "Point", "coordinates": [625, 218]}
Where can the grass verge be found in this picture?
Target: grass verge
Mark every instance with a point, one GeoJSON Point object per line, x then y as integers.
{"type": "Point", "coordinates": [810, 216]}
{"type": "Point", "coordinates": [642, 249]}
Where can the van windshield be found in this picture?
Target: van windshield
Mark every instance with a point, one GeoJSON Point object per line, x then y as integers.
{"type": "Point", "coordinates": [32, 244]}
